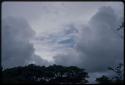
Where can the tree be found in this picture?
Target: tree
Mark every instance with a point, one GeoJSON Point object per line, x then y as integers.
{"type": "Point", "coordinates": [120, 28]}
{"type": "Point", "coordinates": [103, 80]}
{"type": "Point", "coordinates": [118, 70]}
{"type": "Point", "coordinates": [62, 74]}
{"type": "Point", "coordinates": [76, 75]}
{"type": "Point", "coordinates": [117, 79]}
{"type": "Point", "coordinates": [54, 74]}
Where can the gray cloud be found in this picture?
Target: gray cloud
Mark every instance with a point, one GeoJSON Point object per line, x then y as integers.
{"type": "Point", "coordinates": [94, 46]}
{"type": "Point", "coordinates": [16, 47]}
{"type": "Point", "coordinates": [61, 33]}
{"type": "Point", "coordinates": [98, 46]}
{"type": "Point", "coordinates": [35, 59]}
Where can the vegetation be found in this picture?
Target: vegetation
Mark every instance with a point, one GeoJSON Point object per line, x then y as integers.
{"type": "Point", "coordinates": [117, 79]}
{"type": "Point", "coordinates": [55, 74]}
{"type": "Point", "coordinates": [103, 80]}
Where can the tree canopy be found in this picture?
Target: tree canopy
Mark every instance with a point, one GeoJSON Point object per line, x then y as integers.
{"type": "Point", "coordinates": [54, 74]}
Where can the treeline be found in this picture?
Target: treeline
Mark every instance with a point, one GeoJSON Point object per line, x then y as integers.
{"type": "Point", "coordinates": [53, 74]}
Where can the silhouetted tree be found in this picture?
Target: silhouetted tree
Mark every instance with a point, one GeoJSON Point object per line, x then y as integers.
{"type": "Point", "coordinates": [54, 74]}
{"type": "Point", "coordinates": [121, 26]}
{"type": "Point", "coordinates": [118, 70]}
{"type": "Point", "coordinates": [103, 80]}
{"type": "Point", "coordinates": [117, 79]}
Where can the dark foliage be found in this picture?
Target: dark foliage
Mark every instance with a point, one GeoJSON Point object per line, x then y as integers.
{"type": "Point", "coordinates": [103, 80]}
{"type": "Point", "coordinates": [117, 79]}
{"type": "Point", "coordinates": [54, 74]}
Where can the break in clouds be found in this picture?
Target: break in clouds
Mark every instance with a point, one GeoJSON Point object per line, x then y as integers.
{"type": "Point", "coordinates": [94, 45]}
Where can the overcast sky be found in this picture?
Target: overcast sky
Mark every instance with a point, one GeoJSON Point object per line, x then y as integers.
{"type": "Point", "coordinates": [66, 33]}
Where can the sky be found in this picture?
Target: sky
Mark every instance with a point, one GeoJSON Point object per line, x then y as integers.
{"type": "Point", "coordinates": [81, 34]}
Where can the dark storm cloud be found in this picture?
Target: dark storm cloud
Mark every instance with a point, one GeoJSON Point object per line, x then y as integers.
{"type": "Point", "coordinates": [98, 45]}
{"type": "Point", "coordinates": [16, 46]}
